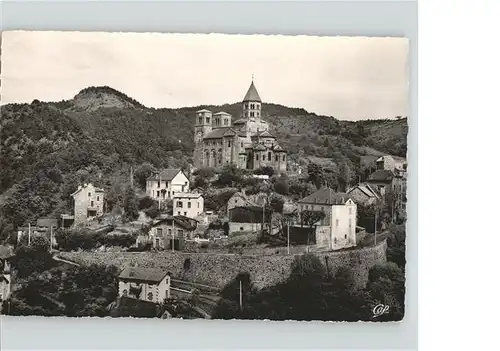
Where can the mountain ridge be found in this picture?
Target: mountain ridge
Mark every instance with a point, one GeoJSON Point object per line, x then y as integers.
{"type": "Point", "coordinates": [48, 148]}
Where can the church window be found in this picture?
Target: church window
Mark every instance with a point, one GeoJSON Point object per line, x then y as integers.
{"type": "Point", "coordinates": [252, 106]}
{"type": "Point", "coordinates": [251, 114]}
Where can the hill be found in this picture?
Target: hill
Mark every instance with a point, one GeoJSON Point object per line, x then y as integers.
{"type": "Point", "coordinates": [48, 148]}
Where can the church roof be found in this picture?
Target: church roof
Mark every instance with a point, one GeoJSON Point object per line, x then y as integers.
{"type": "Point", "coordinates": [259, 147]}
{"type": "Point", "coordinates": [240, 121]}
{"type": "Point", "coordinates": [217, 133]}
{"type": "Point", "coordinates": [278, 148]}
{"type": "Point", "coordinates": [252, 94]}
{"type": "Point", "coordinates": [204, 110]}
{"type": "Point", "coordinates": [222, 113]}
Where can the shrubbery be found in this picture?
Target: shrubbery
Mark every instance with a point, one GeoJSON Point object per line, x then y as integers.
{"type": "Point", "coordinates": [86, 239]}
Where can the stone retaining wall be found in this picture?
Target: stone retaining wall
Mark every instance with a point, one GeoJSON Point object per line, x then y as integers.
{"type": "Point", "coordinates": [219, 269]}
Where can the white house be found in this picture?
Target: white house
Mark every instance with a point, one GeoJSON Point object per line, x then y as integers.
{"type": "Point", "coordinates": [188, 204]}
{"type": "Point", "coordinates": [148, 284]}
{"type": "Point", "coordinates": [88, 203]}
{"type": "Point", "coordinates": [165, 184]}
{"type": "Point", "coordinates": [6, 255]}
{"type": "Point", "coordinates": [337, 229]}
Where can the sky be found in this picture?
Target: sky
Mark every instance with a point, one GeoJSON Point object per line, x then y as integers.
{"type": "Point", "coordinates": [350, 78]}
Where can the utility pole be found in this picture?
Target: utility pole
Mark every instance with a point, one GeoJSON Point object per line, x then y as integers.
{"type": "Point", "coordinates": [51, 239]}
{"type": "Point", "coordinates": [241, 297]}
{"type": "Point", "coordinates": [173, 234]}
{"type": "Point", "coordinates": [375, 229]}
{"type": "Point", "coordinates": [29, 234]}
{"type": "Point", "coordinates": [288, 236]}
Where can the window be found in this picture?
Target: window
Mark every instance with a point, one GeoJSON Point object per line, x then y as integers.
{"type": "Point", "coordinates": [252, 106]}
{"type": "Point", "coordinates": [350, 211]}
{"type": "Point", "coordinates": [185, 213]}
{"type": "Point", "coordinates": [269, 155]}
{"type": "Point", "coordinates": [180, 232]}
{"type": "Point", "coordinates": [178, 213]}
{"type": "Point", "coordinates": [257, 113]}
{"type": "Point", "coordinates": [283, 157]}
{"type": "Point", "coordinates": [200, 120]}
{"type": "Point", "coordinates": [251, 114]}
{"type": "Point", "coordinates": [241, 144]}
{"type": "Point", "coordinates": [276, 157]}
{"type": "Point", "coordinates": [157, 193]}
{"type": "Point", "coordinates": [169, 231]}
{"type": "Point", "coordinates": [125, 292]}
{"type": "Point", "coordinates": [150, 296]}
{"type": "Point", "coordinates": [158, 184]}
{"type": "Point", "coordinates": [246, 114]}
{"type": "Point", "coordinates": [345, 236]}
{"type": "Point", "coordinates": [229, 143]}
{"type": "Point", "coordinates": [241, 229]}
{"type": "Point", "coordinates": [179, 204]}
{"type": "Point", "coordinates": [98, 198]}
{"type": "Point", "coordinates": [337, 222]}
{"type": "Point", "coordinates": [208, 119]}
{"type": "Point", "coordinates": [225, 121]}
{"type": "Point", "coordinates": [173, 193]}
{"type": "Point", "coordinates": [350, 223]}
{"type": "Point", "coordinates": [257, 157]}
{"type": "Point", "coordinates": [91, 203]}
{"type": "Point", "coordinates": [189, 204]}
{"type": "Point", "coordinates": [198, 205]}
{"type": "Point", "coordinates": [90, 194]}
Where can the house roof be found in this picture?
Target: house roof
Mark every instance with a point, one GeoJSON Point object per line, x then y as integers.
{"type": "Point", "coordinates": [153, 275]}
{"type": "Point", "coordinates": [222, 113]}
{"type": "Point", "coordinates": [381, 175]}
{"type": "Point", "coordinates": [180, 221]}
{"type": "Point", "coordinates": [204, 110]}
{"type": "Point", "coordinates": [240, 121]}
{"type": "Point", "coordinates": [187, 195]}
{"type": "Point", "coordinates": [245, 199]}
{"type": "Point", "coordinates": [326, 196]}
{"type": "Point", "coordinates": [165, 174]}
{"type": "Point", "coordinates": [266, 134]}
{"type": "Point", "coordinates": [80, 188]}
{"type": "Point", "coordinates": [366, 189]}
{"type": "Point", "coordinates": [4, 278]}
{"type": "Point", "coordinates": [252, 94]}
{"type": "Point", "coordinates": [5, 252]}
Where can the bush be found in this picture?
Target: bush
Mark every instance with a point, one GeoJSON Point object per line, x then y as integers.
{"type": "Point", "coordinates": [147, 202]}
{"type": "Point", "coordinates": [266, 170]}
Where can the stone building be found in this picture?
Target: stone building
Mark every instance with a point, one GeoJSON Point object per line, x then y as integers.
{"type": "Point", "coordinates": [337, 230]}
{"type": "Point", "coordinates": [88, 203]}
{"type": "Point", "coordinates": [148, 284]}
{"type": "Point", "coordinates": [245, 142]}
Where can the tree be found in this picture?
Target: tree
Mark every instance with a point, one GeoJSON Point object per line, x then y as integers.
{"type": "Point", "coordinates": [386, 285]}
{"type": "Point", "coordinates": [281, 187]}
{"type": "Point", "coordinates": [32, 258]}
{"type": "Point", "coordinates": [309, 217]}
{"type": "Point", "coordinates": [276, 204]}
{"type": "Point", "coordinates": [130, 205]}
{"type": "Point", "coordinates": [315, 173]}
{"type": "Point", "coordinates": [396, 245]}
{"type": "Point", "coordinates": [266, 170]}
{"type": "Point", "coordinates": [142, 173]}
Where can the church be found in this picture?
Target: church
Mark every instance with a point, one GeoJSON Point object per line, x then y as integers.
{"type": "Point", "coordinates": [245, 142]}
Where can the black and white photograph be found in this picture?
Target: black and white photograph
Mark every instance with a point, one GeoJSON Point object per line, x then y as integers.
{"type": "Point", "coordinates": [203, 176]}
